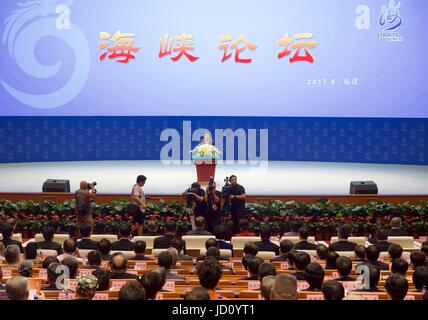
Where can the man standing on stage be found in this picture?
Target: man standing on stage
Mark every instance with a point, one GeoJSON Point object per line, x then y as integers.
{"type": "Point", "coordinates": [237, 202]}
{"type": "Point", "coordinates": [213, 200]}
{"type": "Point", "coordinates": [84, 197]}
{"type": "Point", "coordinates": [137, 205]}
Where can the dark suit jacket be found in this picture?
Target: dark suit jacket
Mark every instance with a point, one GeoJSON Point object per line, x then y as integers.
{"type": "Point", "coordinates": [266, 245]}
{"type": "Point", "coordinates": [123, 245]}
{"type": "Point", "coordinates": [50, 245]}
{"type": "Point", "coordinates": [123, 275]}
{"type": "Point", "coordinates": [87, 244]}
{"type": "Point", "coordinates": [396, 233]}
{"type": "Point", "coordinates": [224, 245]}
{"type": "Point", "coordinates": [280, 258]}
{"type": "Point", "coordinates": [305, 245]}
{"type": "Point", "coordinates": [299, 275]}
{"type": "Point", "coordinates": [151, 234]}
{"type": "Point", "coordinates": [184, 257]}
{"type": "Point", "coordinates": [382, 245]}
{"type": "Point", "coordinates": [250, 278]}
{"type": "Point", "coordinates": [141, 257]}
{"type": "Point", "coordinates": [8, 242]}
{"type": "Point", "coordinates": [200, 258]}
{"type": "Point", "coordinates": [377, 264]}
{"type": "Point", "coordinates": [198, 232]}
{"type": "Point", "coordinates": [163, 242]}
{"type": "Point", "coordinates": [342, 245]}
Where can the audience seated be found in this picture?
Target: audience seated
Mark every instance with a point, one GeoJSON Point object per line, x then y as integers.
{"type": "Point", "coordinates": [209, 274]}
{"type": "Point", "coordinates": [284, 288]}
{"type": "Point", "coordinates": [360, 253]}
{"type": "Point", "coordinates": [118, 265]}
{"type": "Point", "coordinates": [303, 244]}
{"type": "Point", "coordinates": [251, 248]}
{"type": "Point", "coordinates": [285, 246]}
{"type": "Point", "coordinates": [330, 262]}
{"type": "Point", "coordinates": [104, 246]}
{"type": "Point", "coordinates": [417, 259]}
{"type": "Point", "coordinates": [152, 284]}
{"type": "Point", "coordinates": [7, 240]}
{"type": "Point", "coordinates": [17, 288]}
{"type": "Point", "coordinates": [399, 265]}
{"type": "Point", "coordinates": [253, 268]}
{"type": "Point", "coordinates": [48, 234]}
{"type": "Point", "coordinates": [25, 268]}
{"type": "Point", "coordinates": [48, 260]}
{"type": "Point", "coordinates": [100, 227]}
{"type": "Point", "coordinates": [70, 250]}
{"type": "Point", "coordinates": [266, 269]}
{"type": "Point", "coordinates": [152, 227]}
{"type": "Point", "coordinates": [333, 290]}
{"type": "Point", "coordinates": [372, 254]}
{"type": "Point", "coordinates": [123, 244]}
{"type": "Point", "coordinates": [179, 245]}
{"type": "Point", "coordinates": [382, 240]}
{"type": "Point", "coordinates": [132, 291]}
{"type": "Point", "coordinates": [164, 242]}
{"type": "Point", "coordinates": [139, 249]}
{"type": "Point", "coordinates": [103, 276]}
{"type": "Point", "coordinates": [30, 251]}
{"type": "Point", "coordinates": [197, 293]}
{"type": "Point", "coordinates": [54, 271]}
{"type": "Point", "coordinates": [395, 251]}
{"type": "Point", "coordinates": [266, 286]}
{"type": "Point", "coordinates": [396, 286]}
{"type": "Point", "coordinates": [220, 235]}
{"type": "Point", "coordinates": [86, 243]}
{"type": "Point", "coordinates": [246, 260]}
{"type": "Point", "coordinates": [314, 276]}
{"type": "Point", "coordinates": [322, 252]}
{"type": "Point", "coordinates": [343, 244]}
{"type": "Point", "coordinates": [94, 259]}
{"type": "Point", "coordinates": [420, 278]}
{"type": "Point", "coordinates": [86, 287]}
{"type": "Point", "coordinates": [265, 244]}
{"type": "Point", "coordinates": [244, 226]}
{"type": "Point", "coordinates": [344, 268]}
{"type": "Point", "coordinates": [199, 228]}
{"type": "Point", "coordinates": [166, 260]}
{"type": "Point", "coordinates": [11, 255]}
{"type": "Point", "coordinates": [300, 260]}
{"type": "Point", "coordinates": [72, 264]}
{"type": "Point", "coordinates": [395, 230]}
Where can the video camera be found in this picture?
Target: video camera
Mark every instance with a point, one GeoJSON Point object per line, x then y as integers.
{"type": "Point", "coordinates": [91, 186]}
{"type": "Point", "coordinates": [211, 185]}
{"type": "Point", "coordinates": [190, 199]}
{"type": "Point", "coordinates": [226, 191]}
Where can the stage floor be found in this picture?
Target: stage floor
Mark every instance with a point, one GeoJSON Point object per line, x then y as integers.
{"type": "Point", "coordinates": [274, 178]}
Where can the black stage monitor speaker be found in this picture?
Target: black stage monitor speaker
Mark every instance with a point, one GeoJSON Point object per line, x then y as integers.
{"type": "Point", "coordinates": [55, 185]}
{"type": "Point", "coordinates": [363, 187]}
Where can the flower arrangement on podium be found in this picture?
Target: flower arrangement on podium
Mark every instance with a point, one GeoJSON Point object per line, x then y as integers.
{"type": "Point", "coordinates": [204, 157]}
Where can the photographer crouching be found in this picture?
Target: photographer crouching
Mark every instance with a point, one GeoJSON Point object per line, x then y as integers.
{"type": "Point", "coordinates": [195, 197]}
{"type": "Point", "coordinates": [84, 197]}
{"type": "Point", "coordinates": [213, 200]}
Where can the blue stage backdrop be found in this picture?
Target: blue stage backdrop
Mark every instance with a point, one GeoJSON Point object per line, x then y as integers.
{"type": "Point", "coordinates": [332, 80]}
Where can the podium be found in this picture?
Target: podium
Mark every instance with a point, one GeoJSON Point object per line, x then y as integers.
{"type": "Point", "coordinates": [205, 169]}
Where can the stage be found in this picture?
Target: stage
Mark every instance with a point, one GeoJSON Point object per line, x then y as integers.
{"type": "Point", "coordinates": [271, 178]}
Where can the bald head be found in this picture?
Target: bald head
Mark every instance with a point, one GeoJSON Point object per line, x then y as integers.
{"type": "Point", "coordinates": [396, 223]}
{"type": "Point", "coordinates": [118, 262]}
{"type": "Point", "coordinates": [266, 286]}
{"type": "Point", "coordinates": [17, 288]}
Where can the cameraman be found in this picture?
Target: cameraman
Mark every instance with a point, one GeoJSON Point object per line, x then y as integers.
{"type": "Point", "coordinates": [237, 201]}
{"type": "Point", "coordinates": [197, 195]}
{"type": "Point", "coordinates": [84, 197]}
{"type": "Point", "coordinates": [213, 200]}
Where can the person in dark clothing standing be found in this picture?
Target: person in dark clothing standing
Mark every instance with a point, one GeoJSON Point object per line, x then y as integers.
{"type": "Point", "coordinates": [237, 202]}
{"type": "Point", "coordinates": [213, 200]}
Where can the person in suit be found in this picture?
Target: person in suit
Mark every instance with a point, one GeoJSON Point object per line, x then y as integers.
{"type": "Point", "coordinates": [94, 260]}
{"type": "Point", "coordinates": [244, 227]}
{"type": "Point", "coordinates": [395, 230]}
{"type": "Point", "coordinates": [344, 268]}
{"type": "Point", "coordinates": [208, 244]}
{"type": "Point", "coordinates": [360, 253]}
{"type": "Point", "coordinates": [48, 244]}
{"type": "Point", "coordinates": [374, 276]}
{"type": "Point", "coordinates": [417, 259]}
{"type": "Point", "coordinates": [285, 246]}
{"type": "Point", "coordinates": [123, 244]}
{"type": "Point", "coordinates": [166, 260]}
{"type": "Point", "coordinates": [265, 244]}
{"type": "Point", "coordinates": [85, 230]}
{"type": "Point", "coordinates": [53, 274]}
{"type": "Point", "coordinates": [382, 240]}
{"type": "Point", "coordinates": [304, 244]}
{"type": "Point", "coordinates": [104, 246]}
{"type": "Point", "coordinates": [343, 244]}
{"type": "Point", "coordinates": [152, 227]}
{"type": "Point", "coordinates": [139, 249]}
{"type": "Point", "coordinates": [220, 235]}
{"type": "Point", "coordinates": [330, 261]}
{"type": "Point", "coordinates": [179, 245]}
{"type": "Point", "coordinates": [322, 252]}
{"type": "Point", "coordinates": [164, 242]}
{"type": "Point", "coordinates": [399, 265]}
{"type": "Point", "coordinates": [119, 264]}
{"type": "Point", "coordinates": [314, 276]}
{"type": "Point", "coordinates": [7, 240]}
{"type": "Point", "coordinates": [396, 287]}
{"type": "Point", "coordinates": [253, 268]}
{"type": "Point", "coordinates": [300, 261]}
{"type": "Point", "coordinates": [372, 254]}
{"type": "Point", "coordinates": [199, 228]}
{"type": "Point", "coordinates": [395, 251]}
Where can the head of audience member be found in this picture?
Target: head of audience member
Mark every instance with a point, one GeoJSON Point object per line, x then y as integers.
{"type": "Point", "coordinates": [374, 276]}
{"type": "Point", "coordinates": [333, 290]}
{"type": "Point", "coordinates": [25, 268]}
{"type": "Point", "coordinates": [246, 260]}
{"type": "Point", "coordinates": [11, 254]}
{"type": "Point", "coordinates": [322, 252]}
{"type": "Point", "coordinates": [140, 247]}
{"type": "Point", "coordinates": [209, 273]}
{"type": "Point", "coordinates": [381, 235]}
{"type": "Point", "coordinates": [200, 223]}
{"type": "Point", "coordinates": [152, 226]}
{"type": "Point", "coordinates": [211, 242]}
{"type": "Point", "coordinates": [266, 269]}
{"type": "Point", "coordinates": [295, 225]}
{"type": "Point", "coordinates": [72, 264]}
{"type": "Point", "coordinates": [420, 277]}
{"type": "Point", "coordinates": [54, 271]}
{"type": "Point", "coordinates": [265, 232]}
{"type": "Point", "coordinates": [396, 223]}
{"type": "Point", "coordinates": [314, 276]}
{"type": "Point", "coordinates": [30, 251]}
{"type": "Point", "coordinates": [330, 262]}
{"type": "Point", "coordinates": [70, 246]}
{"type": "Point", "coordinates": [7, 232]}
{"type": "Point", "coordinates": [85, 230]}
{"type": "Point", "coordinates": [290, 257]}
{"type": "Point", "coordinates": [48, 260]}
{"type": "Point", "coordinates": [178, 244]}
{"type": "Point", "coordinates": [103, 276]}
{"type": "Point", "coordinates": [125, 231]}
{"type": "Point", "coordinates": [417, 259]}
{"type": "Point", "coordinates": [301, 260]}
{"type": "Point", "coordinates": [251, 248]}
{"type": "Point", "coordinates": [303, 233]}
{"type": "Point", "coordinates": [244, 225]}
{"type": "Point", "coordinates": [372, 253]}
{"type": "Point", "coordinates": [174, 253]}
{"type": "Point", "coordinates": [424, 249]}
{"type": "Point", "coordinates": [170, 227]}
{"type": "Point", "coordinates": [94, 258]}
{"type": "Point", "coordinates": [399, 266]}
{"type": "Point", "coordinates": [345, 231]}
{"type": "Point", "coordinates": [197, 293]}
{"type": "Point", "coordinates": [104, 246]}
{"type": "Point", "coordinates": [396, 286]}
{"type": "Point", "coordinates": [360, 252]}
{"type": "Point", "coordinates": [100, 227]}
{"type": "Point", "coordinates": [220, 232]}
{"type": "Point", "coordinates": [165, 260]}
{"type": "Point", "coordinates": [344, 266]}
{"type": "Point", "coordinates": [284, 287]}
{"type": "Point", "coordinates": [285, 246]}
{"type": "Point", "coordinates": [266, 286]}
{"type": "Point", "coordinates": [118, 263]}
{"type": "Point", "coordinates": [132, 291]}
{"type": "Point", "coordinates": [17, 288]}
{"type": "Point", "coordinates": [213, 253]}
{"type": "Point", "coordinates": [152, 284]}
{"type": "Point", "coordinates": [86, 287]}
{"type": "Point", "coordinates": [254, 265]}
{"type": "Point", "coordinates": [395, 251]}
{"type": "Point", "coordinates": [48, 233]}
